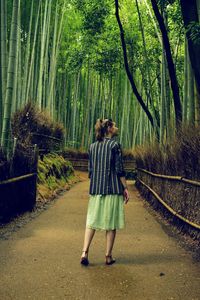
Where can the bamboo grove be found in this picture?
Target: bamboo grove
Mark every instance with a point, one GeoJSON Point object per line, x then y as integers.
{"type": "Point", "coordinates": [134, 61]}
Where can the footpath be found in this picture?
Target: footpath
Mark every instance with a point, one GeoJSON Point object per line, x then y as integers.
{"type": "Point", "coordinates": [41, 260]}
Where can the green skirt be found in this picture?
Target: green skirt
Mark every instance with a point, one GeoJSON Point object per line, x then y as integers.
{"type": "Point", "coordinates": [105, 212]}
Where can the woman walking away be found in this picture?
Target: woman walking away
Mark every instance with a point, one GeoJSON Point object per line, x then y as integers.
{"type": "Point", "coordinates": [108, 189]}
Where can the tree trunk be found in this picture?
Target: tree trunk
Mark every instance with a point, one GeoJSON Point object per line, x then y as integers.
{"type": "Point", "coordinates": [197, 94]}
{"type": "Point", "coordinates": [12, 62]}
{"type": "Point", "coordinates": [147, 71]}
{"type": "Point", "coordinates": [171, 67]}
{"type": "Point", "coordinates": [29, 91]}
{"type": "Point", "coordinates": [185, 92]}
{"type": "Point", "coordinates": [42, 50]}
{"type": "Point", "coordinates": [190, 14]}
{"type": "Point", "coordinates": [130, 77]}
{"type": "Point", "coordinates": [191, 101]}
{"type": "Point", "coordinates": [3, 58]}
{"type": "Point", "coordinates": [163, 98]}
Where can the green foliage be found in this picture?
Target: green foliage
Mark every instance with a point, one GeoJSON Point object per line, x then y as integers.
{"type": "Point", "coordinates": [194, 32]}
{"type": "Point", "coordinates": [164, 3]}
{"type": "Point", "coordinates": [94, 15]}
{"type": "Point", "coordinates": [89, 70]}
{"type": "Point", "coordinates": [92, 38]}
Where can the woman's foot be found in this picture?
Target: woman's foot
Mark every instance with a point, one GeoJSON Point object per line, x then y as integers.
{"type": "Point", "coordinates": [84, 258]}
{"type": "Point", "coordinates": [109, 260]}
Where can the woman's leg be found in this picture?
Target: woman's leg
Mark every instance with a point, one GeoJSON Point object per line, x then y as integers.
{"type": "Point", "coordinates": [89, 233]}
{"type": "Point", "coordinates": [110, 238]}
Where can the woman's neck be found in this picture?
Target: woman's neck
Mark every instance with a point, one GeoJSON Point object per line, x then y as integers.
{"type": "Point", "coordinates": [108, 136]}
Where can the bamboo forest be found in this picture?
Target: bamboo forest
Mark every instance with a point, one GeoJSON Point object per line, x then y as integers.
{"type": "Point", "coordinates": [68, 57]}
{"type": "Point", "coordinates": [100, 124]}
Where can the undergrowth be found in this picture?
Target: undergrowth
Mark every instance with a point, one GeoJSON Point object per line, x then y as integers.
{"type": "Point", "coordinates": [54, 172]}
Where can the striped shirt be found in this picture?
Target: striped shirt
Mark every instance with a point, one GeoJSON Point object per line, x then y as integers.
{"type": "Point", "coordinates": [105, 167]}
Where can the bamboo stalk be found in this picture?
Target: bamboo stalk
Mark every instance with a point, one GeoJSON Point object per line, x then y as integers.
{"type": "Point", "coordinates": [12, 63]}
{"type": "Point", "coordinates": [3, 58]}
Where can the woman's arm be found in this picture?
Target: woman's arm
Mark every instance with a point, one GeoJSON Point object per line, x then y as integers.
{"type": "Point", "coordinates": [123, 180]}
{"type": "Point", "coordinates": [119, 167]}
{"type": "Point", "coordinates": [89, 164]}
{"type": "Point", "coordinates": [125, 192]}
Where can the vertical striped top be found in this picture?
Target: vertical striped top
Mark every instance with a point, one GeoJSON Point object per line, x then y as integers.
{"type": "Point", "coordinates": [105, 167]}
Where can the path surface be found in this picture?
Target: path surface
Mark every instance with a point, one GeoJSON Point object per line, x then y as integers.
{"type": "Point", "coordinates": [41, 259]}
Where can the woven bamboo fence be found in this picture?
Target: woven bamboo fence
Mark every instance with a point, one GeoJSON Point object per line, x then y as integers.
{"type": "Point", "coordinates": [17, 196]}
{"type": "Point", "coordinates": [177, 195]}
{"type": "Point", "coordinates": [82, 165]}
{"type": "Point", "coordinates": [18, 185]}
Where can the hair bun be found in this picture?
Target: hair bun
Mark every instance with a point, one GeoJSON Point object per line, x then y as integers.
{"type": "Point", "coordinates": [99, 121]}
{"type": "Point", "coordinates": [101, 127]}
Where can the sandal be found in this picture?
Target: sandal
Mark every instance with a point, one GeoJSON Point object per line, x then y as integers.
{"type": "Point", "coordinates": [84, 260]}
{"type": "Point", "coordinates": [110, 261]}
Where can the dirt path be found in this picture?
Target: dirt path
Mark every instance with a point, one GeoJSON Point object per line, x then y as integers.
{"type": "Point", "coordinates": [41, 259]}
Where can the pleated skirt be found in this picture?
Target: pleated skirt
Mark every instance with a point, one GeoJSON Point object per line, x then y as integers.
{"type": "Point", "coordinates": [105, 212]}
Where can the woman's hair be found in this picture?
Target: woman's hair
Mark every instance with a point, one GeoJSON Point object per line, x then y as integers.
{"type": "Point", "coordinates": [101, 128]}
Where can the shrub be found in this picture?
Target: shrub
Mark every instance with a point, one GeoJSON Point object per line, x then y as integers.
{"type": "Point", "coordinates": [31, 126]}
{"type": "Point", "coordinates": [180, 156]}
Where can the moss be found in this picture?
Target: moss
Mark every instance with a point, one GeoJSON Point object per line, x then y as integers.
{"type": "Point", "coordinates": [41, 177]}
{"type": "Point", "coordinates": [54, 172]}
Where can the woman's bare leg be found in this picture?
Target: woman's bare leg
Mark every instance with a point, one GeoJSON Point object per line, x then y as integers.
{"type": "Point", "coordinates": [110, 238]}
{"type": "Point", "coordinates": [89, 233]}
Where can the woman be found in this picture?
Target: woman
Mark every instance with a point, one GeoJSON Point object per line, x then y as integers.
{"type": "Point", "coordinates": [108, 189]}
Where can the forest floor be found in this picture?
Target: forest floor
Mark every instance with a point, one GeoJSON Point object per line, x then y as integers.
{"type": "Point", "coordinates": [41, 258]}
